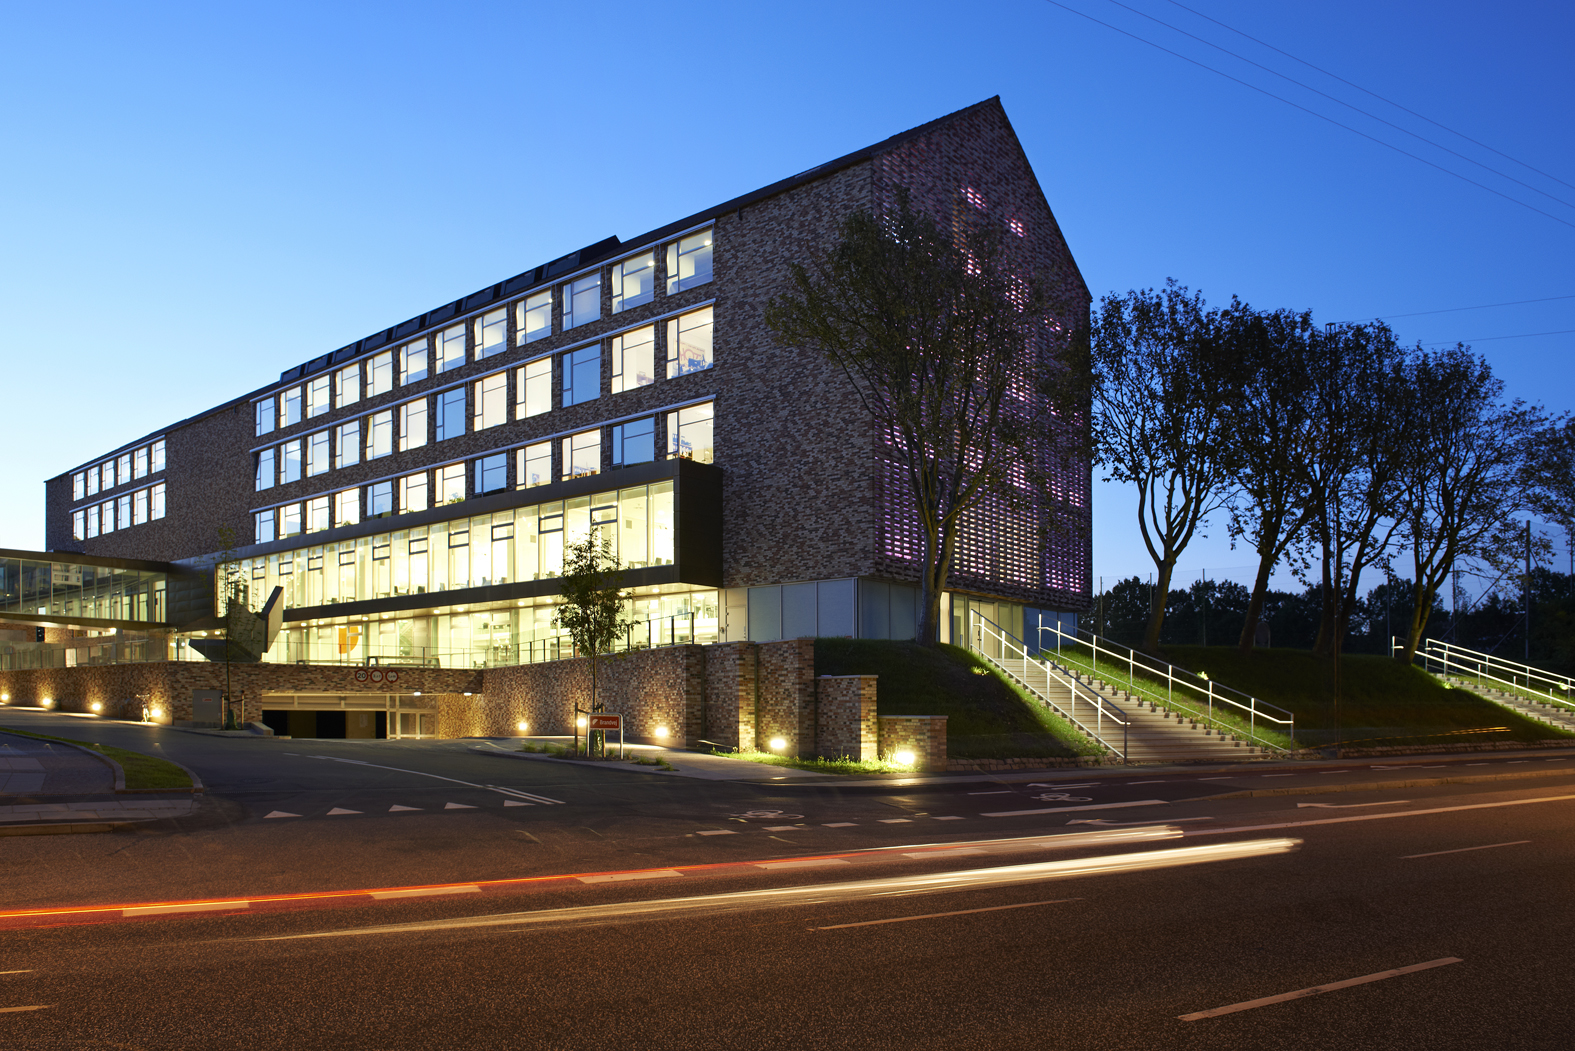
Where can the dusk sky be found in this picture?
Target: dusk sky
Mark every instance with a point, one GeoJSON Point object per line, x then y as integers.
{"type": "Point", "coordinates": [200, 196]}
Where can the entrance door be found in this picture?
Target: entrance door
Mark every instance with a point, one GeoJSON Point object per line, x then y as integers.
{"type": "Point", "coordinates": [412, 725]}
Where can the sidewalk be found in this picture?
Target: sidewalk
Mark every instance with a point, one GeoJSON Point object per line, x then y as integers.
{"type": "Point", "coordinates": [701, 765]}
{"type": "Point", "coordinates": [45, 785]}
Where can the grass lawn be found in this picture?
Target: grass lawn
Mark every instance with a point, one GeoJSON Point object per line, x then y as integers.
{"type": "Point", "coordinates": [1381, 701]}
{"type": "Point", "coordinates": [988, 717]}
{"type": "Point", "coordinates": [142, 771]}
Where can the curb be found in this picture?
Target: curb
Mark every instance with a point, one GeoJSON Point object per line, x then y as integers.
{"type": "Point", "coordinates": [1379, 786]}
{"type": "Point", "coordinates": [63, 828]}
{"type": "Point", "coordinates": [120, 773]}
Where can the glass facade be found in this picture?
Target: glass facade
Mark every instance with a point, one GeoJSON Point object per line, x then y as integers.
{"type": "Point", "coordinates": [70, 589]}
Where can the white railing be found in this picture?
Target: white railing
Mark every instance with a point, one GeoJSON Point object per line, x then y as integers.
{"type": "Point", "coordinates": [1207, 699]}
{"type": "Point", "coordinates": [1533, 683]}
{"type": "Point", "coordinates": [995, 645]}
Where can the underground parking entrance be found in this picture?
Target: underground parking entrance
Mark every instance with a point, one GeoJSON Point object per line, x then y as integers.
{"type": "Point", "coordinates": [364, 716]}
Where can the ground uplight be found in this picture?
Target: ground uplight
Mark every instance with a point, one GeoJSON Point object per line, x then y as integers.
{"type": "Point", "coordinates": [904, 757]}
{"type": "Point", "coordinates": [777, 744]}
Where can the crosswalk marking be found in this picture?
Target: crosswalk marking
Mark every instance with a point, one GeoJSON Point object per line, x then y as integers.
{"type": "Point", "coordinates": [516, 802]}
{"type": "Point", "coordinates": [458, 806]}
{"type": "Point", "coordinates": [341, 810]}
{"type": "Point", "coordinates": [396, 808]}
{"type": "Point", "coordinates": [280, 813]}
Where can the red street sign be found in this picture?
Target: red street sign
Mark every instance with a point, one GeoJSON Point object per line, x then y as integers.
{"type": "Point", "coordinates": [606, 722]}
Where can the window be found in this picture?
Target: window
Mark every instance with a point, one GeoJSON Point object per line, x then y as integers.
{"type": "Point", "coordinates": [413, 424]}
{"type": "Point", "coordinates": [491, 333]}
{"type": "Point", "coordinates": [380, 374]}
{"type": "Point", "coordinates": [450, 415]}
{"type": "Point", "coordinates": [265, 416]}
{"type": "Point", "coordinates": [157, 500]}
{"type": "Point", "coordinates": [125, 469]}
{"type": "Point", "coordinates": [634, 359]}
{"type": "Point", "coordinates": [290, 462]}
{"type": "Point", "coordinates": [582, 375]}
{"type": "Point", "coordinates": [92, 480]}
{"type": "Point", "coordinates": [633, 282]}
{"type": "Point", "coordinates": [264, 532]}
{"type": "Point", "coordinates": [582, 454]}
{"type": "Point", "coordinates": [533, 389]}
{"type": "Point", "coordinates": [158, 456]}
{"type": "Point", "coordinates": [266, 471]}
{"type": "Point", "coordinates": [451, 348]}
{"type": "Point", "coordinates": [582, 301]}
{"type": "Point", "coordinates": [348, 441]}
{"type": "Point", "coordinates": [379, 434]}
{"type": "Point", "coordinates": [451, 483]}
{"type": "Point", "coordinates": [347, 385]}
{"type": "Point", "coordinates": [689, 433]}
{"type": "Point", "coordinates": [535, 465]}
{"type": "Point", "coordinates": [689, 262]}
{"type": "Point", "coordinates": [533, 317]}
{"type": "Point", "coordinates": [492, 401]}
{"type": "Point", "coordinates": [634, 442]}
{"type": "Point", "coordinates": [413, 493]}
{"type": "Point", "coordinates": [107, 517]}
{"type": "Point", "coordinates": [139, 507]}
{"type": "Point", "coordinates": [317, 458]}
{"type": "Point", "coordinates": [139, 463]}
{"type": "Point", "coordinates": [79, 525]}
{"type": "Point", "coordinates": [347, 507]}
{"type": "Point", "coordinates": [290, 520]}
{"type": "Point", "coordinates": [413, 362]}
{"type": "Point", "coordinates": [317, 396]}
{"type": "Point", "coordinates": [123, 511]}
{"type": "Point", "coordinates": [290, 407]}
{"type": "Point", "coordinates": [380, 499]}
{"type": "Point", "coordinates": [107, 473]}
{"type": "Point", "coordinates": [317, 514]}
{"type": "Point", "coordinates": [492, 473]}
{"type": "Point", "coordinates": [92, 521]}
{"type": "Point", "coordinates": [79, 486]}
{"type": "Point", "coordinates": [689, 343]}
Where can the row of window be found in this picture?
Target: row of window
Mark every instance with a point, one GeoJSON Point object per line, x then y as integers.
{"type": "Point", "coordinates": [689, 435]}
{"type": "Point", "coordinates": [123, 512]}
{"type": "Point", "coordinates": [632, 283]}
{"type": "Point", "coordinates": [122, 470]}
{"type": "Point", "coordinates": [525, 543]}
{"type": "Point", "coordinates": [447, 414]}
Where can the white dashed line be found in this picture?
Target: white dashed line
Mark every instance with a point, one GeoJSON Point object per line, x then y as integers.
{"type": "Point", "coordinates": [196, 906]}
{"type": "Point", "coordinates": [396, 808]}
{"type": "Point", "coordinates": [717, 832]}
{"type": "Point", "coordinates": [948, 817]}
{"type": "Point", "coordinates": [424, 892]}
{"type": "Point", "coordinates": [458, 806]}
{"type": "Point", "coordinates": [279, 813]}
{"type": "Point", "coordinates": [1265, 1001]}
{"type": "Point", "coordinates": [340, 810]}
{"type": "Point", "coordinates": [809, 863]}
{"type": "Point", "coordinates": [784, 828]}
{"type": "Point", "coordinates": [841, 824]}
{"type": "Point", "coordinates": [896, 820]}
{"type": "Point", "coordinates": [1462, 850]}
{"type": "Point", "coordinates": [624, 877]}
{"type": "Point", "coordinates": [1070, 809]}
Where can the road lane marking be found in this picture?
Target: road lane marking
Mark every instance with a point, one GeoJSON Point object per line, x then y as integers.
{"type": "Point", "coordinates": [194, 906]}
{"type": "Point", "coordinates": [1102, 823]}
{"type": "Point", "coordinates": [841, 824]}
{"type": "Point", "coordinates": [1462, 850]}
{"type": "Point", "coordinates": [896, 820]}
{"type": "Point", "coordinates": [1214, 779]}
{"type": "Point", "coordinates": [396, 808]}
{"type": "Point", "coordinates": [1276, 775]}
{"type": "Point", "coordinates": [1347, 806]}
{"type": "Point", "coordinates": [1265, 1001]}
{"type": "Point", "coordinates": [424, 892]}
{"type": "Point", "coordinates": [341, 810]}
{"type": "Point", "coordinates": [28, 971]}
{"type": "Point", "coordinates": [1048, 784]}
{"type": "Point", "coordinates": [807, 863]}
{"type": "Point", "coordinates": [517, 802]}
{"type": "Point", "coordinates": [784, 828]}
{"type": "Point", "coordinates": [717, 832]}
{"type": "Point", "coordinates": [1070, 809]}
{"type": "Point", "coordinates": [1003, 792]}
{"type": "Point", "coordinates": [435, 777]}
{"type": "Point", "coordinates": [624, 877]}
{"type": "Point", "coordinates": [954, 852]}
{"type": "Point", "coordinates": [531, 796]}
{"type": "Point", "coordinates": [458, 806]}
{"type": "Point", "coordinates": [948, 817]}
{"type": "Point", "coordinates": [30, 1007]}
{"type": "Point", "coordinates": [1378, 817]}
{"type": "Point", "coordinates": [279, 813]}
{"type": "Point", "coordinates": [939, 915]}
{"type": "Point", "coordinates": [1148, 782]}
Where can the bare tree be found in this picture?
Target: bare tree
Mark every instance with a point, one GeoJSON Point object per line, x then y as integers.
{"type": "Point", "coordinates": [1165, 372]}
{"type": "Point", "coordinates": [946, 339]}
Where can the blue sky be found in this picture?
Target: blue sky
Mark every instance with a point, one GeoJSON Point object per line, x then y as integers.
{"type": "Point", "coordinates": [198, 196]}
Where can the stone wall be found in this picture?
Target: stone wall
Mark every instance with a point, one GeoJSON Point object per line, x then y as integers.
{"type": "Point", "coordinates": [785, 696]}
{"type": "Point", "coordinates": [846, 708]}
{"type": "Point", "coordinates": [731, 669]}
{"type": "Point", "coordinates": [923, 735]}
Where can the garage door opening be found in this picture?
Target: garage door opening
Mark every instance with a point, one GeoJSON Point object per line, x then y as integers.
{"type": "Point", "coordinates": [354, 717]}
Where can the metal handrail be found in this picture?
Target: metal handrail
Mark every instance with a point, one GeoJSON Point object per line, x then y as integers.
{"type": "Point", "coordinates": [1103, 707]}
{"type": "Point", "coordinates": [1480, 666]}
{"type": "Point", "coordinates": [1203, 690]}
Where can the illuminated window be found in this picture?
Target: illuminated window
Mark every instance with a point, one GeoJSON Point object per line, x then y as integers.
{"type": "Point", "coordinates": [492, 473]}
{"type": "Point", "coordinates": [347, 385]}
{"type": "Point", "coordinates": [413, 493]}
{"type": "Point", "coordinates": [534, 317]}
{"type": "Point", "coordinates": [347, 507]}
{"type": "Point", "coordinates": [380, 374]}
{"type": "Point", "coordinates": [689, 262]}
{"type": "Point", "coordinates": [535, 465]}
{"type": "Point", "coordinates": [633, 282]}
{"type": "Point", "coordinates": [290, 520]}
{"type": "Point", "coordinates": [582, 375]}
{"type": "Point", "coordinates": [265, 416]}
{"type": "Point", "coordinates": [348, 440]}
{"type": "Point", "coordinates": [451, 348]}
{"type": "Point", "coordinates": [413, 424]}
{"type": "Point", "coordinates": [317, 453]}
{"type": "Point", "coordinates": [317, 396]}
{"type": "Point", "coordinates": [689, 343]}
{"type": "Point", "coordinates": [533, 388]}
{"type": "Point", "coordinates": [492, 401]}
{"type": "Point", "coordinates": [1018, 228]}
{"type": "Point", "coordinates": [317, 514]}
{"type": "Point", "coordinates": [451, 483]}
{"type": "Point", "coordinates": [413, 362]}
{"type": "Point", "coordinates": [634, 442]}
{"type": "Point", "coordinates": [263, 531]}
{"type": "Point", "coordinates": [380, 499]}
{"type": "Point", "coordinates": [266, 471]}
{"type": "Point", "coordinates": [634, 359]}
{"type": "Point", "coordinates": [689, 433]}
{"type": "Point", "coordinates": [379, 434]}
{"type": "Point", "coordinates": [449, 417]}
{"type": "Point", "coordinates": [582, 301]}
{"type": "Point", "coordinates": [973, 197]}
{"type": "Point", "coordinates": [290, 407]}
{"type": "Point", "coordinates": [582, 454]}
{"type": "Point", "coordinates": [491, 333]}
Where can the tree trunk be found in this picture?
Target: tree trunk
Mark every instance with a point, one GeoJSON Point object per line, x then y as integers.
{"type": "Point", "coordinates": [1260, 588]}
{"type": "Point", "coordinates": [1422, 599]}
{"type": "Point", "coordinates": [1156, 606]}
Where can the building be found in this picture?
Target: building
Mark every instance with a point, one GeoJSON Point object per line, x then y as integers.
{"type": "Point", "coordinates": [412, 493]}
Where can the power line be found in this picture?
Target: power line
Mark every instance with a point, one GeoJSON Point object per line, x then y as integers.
{"type": "Point", "coordinates": [1374, 94]}
{"type": "Point", "coordinates": [1451, 310]}
{"type": "Point", "coordinates": [1485, 339]}
{"type": "Point", "coordinates": [1311, 112]}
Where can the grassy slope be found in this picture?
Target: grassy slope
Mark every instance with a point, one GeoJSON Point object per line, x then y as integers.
{"type": "Point", "coordinates": [1380, 698]}
{"type": "Point", "coordinates": [986, 716]}
{"type": "Point", "coordinates": [142, 771]}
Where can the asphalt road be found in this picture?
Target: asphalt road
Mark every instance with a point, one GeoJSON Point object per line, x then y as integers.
{"type": "Point", "coordinates": [657, 911]}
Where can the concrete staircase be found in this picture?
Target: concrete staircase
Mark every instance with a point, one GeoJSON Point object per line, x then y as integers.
{"type": "Point", "coordinates": [1552, 714]}
{"type": "Point", "coordinates": [1152, 733]}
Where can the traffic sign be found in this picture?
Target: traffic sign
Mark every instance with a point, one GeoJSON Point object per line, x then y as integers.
{"type": "Point", "coordinates": [606, 722]}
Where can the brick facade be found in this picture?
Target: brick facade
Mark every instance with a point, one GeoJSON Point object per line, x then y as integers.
{"type": "Point", "coordinates": [846, 708]}
{"type": "Point", "coordinates": [923, 735]}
